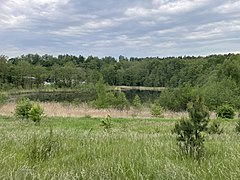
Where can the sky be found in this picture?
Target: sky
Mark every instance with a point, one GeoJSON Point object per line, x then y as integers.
{"type": "Point", "coordinates": [132, 28]}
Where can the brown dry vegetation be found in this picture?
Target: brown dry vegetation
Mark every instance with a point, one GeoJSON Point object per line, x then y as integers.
{"type": "Point", "coordinates": [68, 110]}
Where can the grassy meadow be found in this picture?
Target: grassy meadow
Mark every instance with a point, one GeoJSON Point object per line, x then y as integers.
{"type": "Point", "coordinates": [80, 148]}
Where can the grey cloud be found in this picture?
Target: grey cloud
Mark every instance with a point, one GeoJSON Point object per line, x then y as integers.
{"type": "Point", "coordinates": [130, 28]}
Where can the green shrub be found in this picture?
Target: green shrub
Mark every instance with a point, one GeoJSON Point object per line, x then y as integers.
{"type": "Point", "coordinates": [111, 99]}
{"type": "Point", "coordinates": [225, 111]}
{"type": "Point", "coordinates": [177, 99]}
{"type": "Point", "coordinates": [156, 110]}
{"type": "Point", "coordinates": [101, 101]}
{"type": "Point", "coordinates": [2, 99]}
{"type": "Point", "coordinates": [137, 106]}
{"type": "Point", "coordinates": [214, 128]}
{"type": "Point", "coordinates": [23, 107]}
{"type": "Point", "coordinates": [36, 113]}
{"type": "Point", "coordinates": [106, 123]}
{"type": "Point", "coordinates": [137, 102]}
{"type": "Point", "coordinates": [121, 101]}
{"type": "Point", "coordinates": [189, 132]}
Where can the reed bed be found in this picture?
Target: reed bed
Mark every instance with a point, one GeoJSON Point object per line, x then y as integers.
{"type": "Point", "coordinates": [52, 109]}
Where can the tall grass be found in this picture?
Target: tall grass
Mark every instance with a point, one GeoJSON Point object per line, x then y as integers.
{"type": "Point", "coordinates": [82, 110]}
{"type": "Point", "coordinates": [133, 149]}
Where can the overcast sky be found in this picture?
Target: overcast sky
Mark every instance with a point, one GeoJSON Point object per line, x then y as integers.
{"type": "Point", "coordinates": [133, 28]}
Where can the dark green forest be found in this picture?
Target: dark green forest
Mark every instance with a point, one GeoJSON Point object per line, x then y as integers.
{"type": "Point", "coordinates": [215, 77]}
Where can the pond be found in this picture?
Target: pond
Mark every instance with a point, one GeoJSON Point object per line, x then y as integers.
{"type": "Point", "coordinates": [82, 96]}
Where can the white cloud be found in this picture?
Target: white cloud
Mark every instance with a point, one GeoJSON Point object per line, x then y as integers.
{"type": "Point", "coordinates": [166, 7]}
{"type": "Point", "coordinates": [166, 45]}
{"type": "Point", "coordinates": [17, 13]}
{"type": "Point", "coordinates": [87, 27]}
{"type": "Point", "coordinates": [179, 6]}
{"type": "Point", "coordinates": [214, 30]}
{"type": "Point", "coordinates": [140, 11]}
{"type": "Point", "coordinates": [172, 30]}
{"type": "Point", "coordinates": [229, 7]}
{"type": "Point", "coordinates": [12, 21]}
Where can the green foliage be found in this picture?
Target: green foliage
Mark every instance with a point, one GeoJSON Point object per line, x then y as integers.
{"type": "Point", "coordinates": [136, 106]}
{"type": "Point", "coordinates": [216, 76]}
{"type": "Point", "coordinates": [101, 101]}
{"type": "Point", "coordinates": [23, 107]}
{"type": "Point", "coordinates": [157, 110]}
{"type": "Point", "coordinates": [36, 113]}
{"type": "Point", "coordinates": [225, 111]}
{"type": "Point", "coordinates": [117, 100]}
{"type": "Point", "coordinates": [189, 132]}
{"type": "Point", "coordinates": [188, 142]}
{"type": "Point", "coordinates": [111, 99]}
{"type": "Point", "coordinates": [121, 101]}
{"type": "Point", "coordinates": [106, 123]}
{"type": "Point", "coordinates": [237, 128]}
{"type": "Point", "coordinates": [2, 99]}
{"type": "Point", "coordinates": [221, 91]}
{"type": "Point", "coordinates": [44, 148]}
{"type": "Point", "coordinates": [178, 98]}
{"type": "Point", "coordinates": [231, 69]}
{"type": "Point", "coordinates": [198, 112]}
{"type": "Point", "coordinates": [214, 128]}
{"type": "Point", "coordinates": [137, 102]}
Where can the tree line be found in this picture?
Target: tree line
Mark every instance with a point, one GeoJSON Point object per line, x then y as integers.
{"type": "Point", "coordinates": [216, 76]}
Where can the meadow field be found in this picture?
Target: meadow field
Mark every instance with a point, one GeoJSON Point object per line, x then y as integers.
{"type": "Point", "coordinates": [125, 148]}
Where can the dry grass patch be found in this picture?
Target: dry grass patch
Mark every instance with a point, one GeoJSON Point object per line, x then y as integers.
{"type": "Point", "coordinates": [52, 109]}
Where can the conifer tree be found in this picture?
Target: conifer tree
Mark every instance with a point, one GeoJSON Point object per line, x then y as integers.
{"type": "Point", "coordinates": [189, 132]}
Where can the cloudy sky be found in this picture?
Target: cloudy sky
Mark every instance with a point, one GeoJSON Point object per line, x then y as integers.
{"type": "Point", "coordinates": [137, 28]}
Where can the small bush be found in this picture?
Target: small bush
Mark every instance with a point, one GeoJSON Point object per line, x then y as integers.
{"type": "Point", "coordinates": [36, 113]}
{"type": "Point", "coordinates": [23, 107]}
{"type": "Point", "coordinates": [106, 123]}
{"type": "Point", "coordinates": [215, 128]}
{"type": "Point", "coordinates": [156, 110]}
{"type": "Point", "coordinates": [137, 102]}
{"type": "Point", "coordinates": [121, 101]}
{"type": "Point", "coordinates": [26, 109]}
{"type": "Point", "coordinates": [101, 101]}
{"type": "Point", "coordinates": [137, 106]}
{"type": "Point", "coordinates": [189, 132]}
{"type": "Point", "coordinates": [189, 138]}
{"type": "Point", "coordinates": [225, 111]}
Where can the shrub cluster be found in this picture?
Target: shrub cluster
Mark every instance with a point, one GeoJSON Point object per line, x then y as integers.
{"type": "Point", "coordinates": [177, 99]}
{"type": "Point", "coordinates": [109, 99]}
{"type": "Point", "coordinates": [225, 111]}
{"type": "Point", "coordinates": [23, 108]}
{"type": "Point", "coordinates": [157, 110]}
{"type": "Point", "coordinates": [26, 109]}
